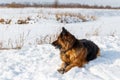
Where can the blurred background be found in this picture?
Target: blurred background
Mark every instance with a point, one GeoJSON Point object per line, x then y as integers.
{"type": "Point", "coordinates": [62, 3]}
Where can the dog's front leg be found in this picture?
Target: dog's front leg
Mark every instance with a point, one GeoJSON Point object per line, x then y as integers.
{"type": "Point", "coordinates": [62, 68]}
{"type": "Point", "coordinates": [69, 67]}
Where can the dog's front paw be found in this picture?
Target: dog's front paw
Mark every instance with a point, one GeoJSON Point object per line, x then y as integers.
{"type": "Point", "coordinates": [61, 70]}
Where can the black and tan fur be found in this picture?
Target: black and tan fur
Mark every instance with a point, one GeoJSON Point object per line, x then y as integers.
{"type": "Point", "coordinates": [74, 52]}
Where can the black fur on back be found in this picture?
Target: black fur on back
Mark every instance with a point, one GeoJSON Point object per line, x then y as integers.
{"type": "Point", "coordinates": [92, 49]}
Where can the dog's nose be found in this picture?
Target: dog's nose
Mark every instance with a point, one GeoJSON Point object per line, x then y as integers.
{"type": "Point", "coordinates": [52, 43]}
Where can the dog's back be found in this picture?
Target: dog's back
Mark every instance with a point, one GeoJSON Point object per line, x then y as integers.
{"type": "Point", "coordinates": [92, 49]}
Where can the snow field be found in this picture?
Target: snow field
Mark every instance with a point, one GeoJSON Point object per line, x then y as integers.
{"type": "Point", "coordinates": [40, 62]}
{"type": "Point", "coordinates": [40, 29]}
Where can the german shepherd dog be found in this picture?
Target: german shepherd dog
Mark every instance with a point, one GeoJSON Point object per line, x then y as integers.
{"type": "Point", "coordinates": [74, 52]}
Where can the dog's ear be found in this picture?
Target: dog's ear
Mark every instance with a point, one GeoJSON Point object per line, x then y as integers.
{"type": "Point", "coordinates": [64, 31]}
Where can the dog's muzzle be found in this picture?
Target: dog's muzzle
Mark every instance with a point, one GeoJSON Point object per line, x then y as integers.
{"type": "Point", "coordinates": [56, 45]}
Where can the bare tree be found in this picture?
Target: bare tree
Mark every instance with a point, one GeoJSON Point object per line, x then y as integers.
{"type": "Point", "coordinates": [56, 4]}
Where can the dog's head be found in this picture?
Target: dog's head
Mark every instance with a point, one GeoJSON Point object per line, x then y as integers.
{"type": "Point", "coordinates": [65, 40]}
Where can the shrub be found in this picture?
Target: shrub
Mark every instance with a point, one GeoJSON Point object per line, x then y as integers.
{"type": "Point", "coordinates": [22, 21]}
{"type": "Point", "coordinates": [5, 21]}
{"type": "Point", "coordinates": [73, 17]}
{"type": "Point", "coordinates": [2, 20]}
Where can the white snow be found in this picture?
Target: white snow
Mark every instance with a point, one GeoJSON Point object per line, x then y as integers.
{"type": "Point", "coordinates": [14, 34]}
{"type": "Point", "coordinates": [40, 62]}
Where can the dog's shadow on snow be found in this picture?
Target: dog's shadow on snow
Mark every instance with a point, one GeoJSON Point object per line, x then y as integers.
{"type": "Point", "coordinates": [106, 57]}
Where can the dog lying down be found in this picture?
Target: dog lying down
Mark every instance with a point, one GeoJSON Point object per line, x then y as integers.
{"type": "Point", "coordinates": [74, 52]}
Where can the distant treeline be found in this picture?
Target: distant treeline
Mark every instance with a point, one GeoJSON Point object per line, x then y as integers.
{"type": "Point", "coordinates": [56, 5]}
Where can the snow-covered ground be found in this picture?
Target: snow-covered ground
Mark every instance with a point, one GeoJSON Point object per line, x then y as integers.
{"type": "Point", "coordinates": [40, 62]}
{"type": "Point", "coordinates": [43, 25]}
